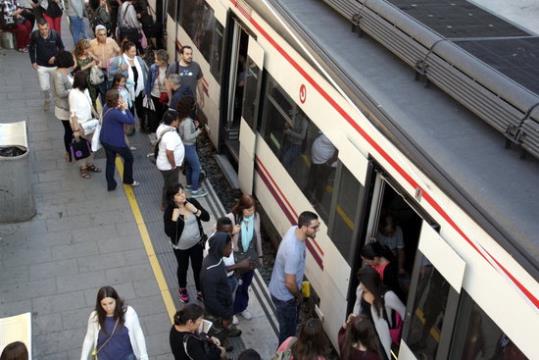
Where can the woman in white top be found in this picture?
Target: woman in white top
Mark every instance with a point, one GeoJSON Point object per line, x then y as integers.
{"type": "Point", "coordinates": [170, 152]}
{"type": "Point", "coordinates": [382, 307]}
{"type": "Point", "coordinates": [114, 331]}
{"type": "Point", "coordinates": [80, 107]}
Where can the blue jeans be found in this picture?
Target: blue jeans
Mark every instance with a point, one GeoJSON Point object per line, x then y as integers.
{"type": "Point", "coordinates": [76, 26]}
{"type": "Point", "coordinates": [192, 170]}
{"type": "Point", "coordinates": [289, 154]}
{"type": "Point", "coordinates": [127, 156]}
{"type": "Point", "coordinates": [233, 283]}
{"type": "Point", "coordinates": [287, 316]}
{"type": "Point", "coordinates": [242, 294]}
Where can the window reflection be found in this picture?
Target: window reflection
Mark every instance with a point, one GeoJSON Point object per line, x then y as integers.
{"type": "Point", "coordinates": [249, 79]}
{"type": "Point", "coordinates": [478, 337]}
{"type": "Point", "coordinates": [428, 311]}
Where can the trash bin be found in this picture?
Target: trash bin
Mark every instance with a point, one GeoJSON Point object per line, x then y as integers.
{"type": "Point", "coordinates": [16, 192]}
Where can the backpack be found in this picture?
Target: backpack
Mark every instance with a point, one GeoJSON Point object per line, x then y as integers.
{"type": "Point", "coordinates": [156, 147]}
{"type": "Point", "coordinates": [395, 326]}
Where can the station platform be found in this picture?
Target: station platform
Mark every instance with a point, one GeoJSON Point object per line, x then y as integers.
{"type": "Point", "coordinates": [84, 237]}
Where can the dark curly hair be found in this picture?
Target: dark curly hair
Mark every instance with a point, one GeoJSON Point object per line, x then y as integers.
{"type": "Point", "coordinates": [64, 59]}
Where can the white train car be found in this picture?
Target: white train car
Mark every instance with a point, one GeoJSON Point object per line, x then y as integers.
{"type": "Point", "coordinates": [276, 87]}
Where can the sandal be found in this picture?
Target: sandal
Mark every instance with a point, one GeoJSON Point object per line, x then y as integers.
{"type": "Point", "coordinates": [94, 168]}
{"type": "Point", "coordinates": [84, 173]}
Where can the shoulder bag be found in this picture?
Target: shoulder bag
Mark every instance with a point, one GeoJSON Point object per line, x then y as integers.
{"type": "Point", "coordinates": [97, 350]}
{"type": "Point", "coordinates": [97, 76]}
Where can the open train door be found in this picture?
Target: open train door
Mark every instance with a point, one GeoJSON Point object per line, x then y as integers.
{"type": "Point", "coordinates": [433, 298]}
{"type": "Point", "coordinates": [249, 117]}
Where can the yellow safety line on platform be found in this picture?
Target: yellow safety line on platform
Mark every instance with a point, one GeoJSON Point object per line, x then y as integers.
{"type": "Point", "coordinates": [150, 252]}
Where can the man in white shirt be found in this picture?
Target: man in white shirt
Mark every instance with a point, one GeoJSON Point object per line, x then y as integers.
{"type": "Point", "coordinates": [170, 152]}
{"type": "Point", "coordinates": [323, 162]}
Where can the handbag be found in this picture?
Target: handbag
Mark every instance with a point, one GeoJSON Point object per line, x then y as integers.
{"type": "Point", "coordinates": [97, 350]}
{"type": "Point", "coordinates": [96, 142]}
{"type": "Point", "coordinates": [80, 149]}
{"type": "Point", "coordinates": [163, 97]}
{"type": "Point", "coordinates": [147, 103]}
{"type": "Point", "coordinates": [143, 40]}
{"type": "Point", "coordinates": [97, 76]}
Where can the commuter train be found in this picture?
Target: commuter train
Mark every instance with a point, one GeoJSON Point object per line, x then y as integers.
{"type": "Point", "coordinates": [312, 123]}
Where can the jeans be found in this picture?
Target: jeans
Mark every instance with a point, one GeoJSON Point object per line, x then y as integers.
{"type": "Point", "coordinates": [192, 171]}
{"type": "Point", "coordinates": [289, 154]}
{"type": "Point", "coordinates": [287, 316]}
{"type": "Point", "coordinates": [233, 283]}
{"type": "Point", "coordinates": [170, 178]}
{"type": "Point", "coordinates": [195, 254]}
{"type": "Point", "coordinates": [242, 293]}
{"type": "Point", "coordinates": [76, 26]}
{"type": "Point", "coordinates": [125, 153]}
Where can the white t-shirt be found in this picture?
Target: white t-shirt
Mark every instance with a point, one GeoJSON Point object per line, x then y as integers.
{"type": "Point", "coordinates": [322, 150]}
{"type": "Point", "coordinates": [170, 140]}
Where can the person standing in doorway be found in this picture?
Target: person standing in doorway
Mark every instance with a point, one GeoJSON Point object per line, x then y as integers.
{"type": "Point", "coordinates": [45, 44]}
{"type": "Point", "coordinates": [288, 270]}
{"type": "Point", "coordinates": [75, 11]}
{"type": "Point", "coordinates": [191, 74]}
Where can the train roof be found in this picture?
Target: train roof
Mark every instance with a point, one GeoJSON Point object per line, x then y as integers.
{"type": "Point", "coordinates": [464, 156]}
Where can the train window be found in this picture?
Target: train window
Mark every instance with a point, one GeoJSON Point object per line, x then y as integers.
{"type": "Point", "coordinates": [216, 51]}
{"type": "Point", "coordinates": [249, 78]}
{"type": "Point", "coordinates": [477, 337]}
{"type": "Point", "coordinates": [341, 232]}
{"type": "Point", "coordinates": [429, 305]}
{"type": "Point", "coordinates": [308, 155]}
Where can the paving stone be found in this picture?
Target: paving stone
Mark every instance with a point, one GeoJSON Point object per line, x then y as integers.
{"type": "Point", "coordinates": [148, 305]}
{"type": "Point", "coordinates": [14, 275]}
{"type": "Point", "coordinates": [119, 243]}
{"type": "Point", "coordinates": [158, 344]}
{"type": "Point", "coordinates": [11, 308]}
{"type": "Point", "coordinates": [100, 262]}
{"type": "Point", "coordinates": [94, 279]}
{"type": "Point", "coordinates": [147, 287]}
{"type": "Point", "coordinates": [53, 269]}
{"type": "Point", "coordinates": [77, 320]}
{"type": "Point", "coordinates": [75, 250]}
{"type": "Point", "coordinates": [127, 273]}
{"type": "Point", "coordinates": [27, 290]}
{"type": "Point", "coordinates": [154, 324]}
{"type": "Point", "coordinates": [19, 256]}
{"type": "Point", "coordinates": [79, 222]}
{"type": "Point", "coordinates": [134, 257]}
{"type": "Point", "coordinates": [59, 302]}
{"type": "Point", "coordinates": [44, 323]}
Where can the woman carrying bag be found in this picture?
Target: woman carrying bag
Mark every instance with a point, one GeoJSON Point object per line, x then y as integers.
{"type": "Point", "coordinates": [83, 123]}
{"type": "Point", "coordinates": [114, 331]}
{"type": "Point", "coordinates": [247, 244]}
{"type": "Point", "coordinates": [183, 224]}
{"type": "Point", "coordinates": [115, 116]}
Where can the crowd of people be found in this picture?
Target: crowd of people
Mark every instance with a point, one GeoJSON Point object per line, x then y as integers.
{"type": "Point", "coordinates": [103, 90]}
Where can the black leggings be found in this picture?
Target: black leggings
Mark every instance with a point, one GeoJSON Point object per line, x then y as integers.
{"type": "Point", "coordinates": [68, 136]}
{"type": "Point", "coordinates": [195, 254]}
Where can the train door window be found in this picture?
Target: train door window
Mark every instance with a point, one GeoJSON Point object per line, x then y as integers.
{"type": "Point", "coordinates": [343, 225]}
{"type": "Point", "coordinates": [478, 337]}
{"type": "Point", "coordinates": [172, 9]}
{"type": "Point", "coordinates": [238, 74]}
{"type": "Point", "coordinates": [304, 151]}
{"type": "Point", "coordinates": [251, 91]}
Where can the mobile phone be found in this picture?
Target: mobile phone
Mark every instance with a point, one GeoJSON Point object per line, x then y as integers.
{"type": "Point", "coordinates": [205, 326]}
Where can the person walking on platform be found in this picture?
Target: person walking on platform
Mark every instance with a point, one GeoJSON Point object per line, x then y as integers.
{"type": "Point", "coordinates": [128, 24]}
{"type": "Point", "coordinates": [17, 20]}
{"type": "Point", "coordinates": [247, 244]}
{"type": "Point", "coordinates": [75, 12]}
{"type": "Point", "coordinates": [115, 116]}
{"type": "Point", "coordinates": [81, 114]}
{"type": "Point", "coordinates": [103, 49]}
{"type": "Point", "coordinates": [156, 88]}
{"type": "Point", "coordinates": [183, 224]}
{"type": "Point", "coordinates": [288, 270]}
{"type": "Point", "coordinates": [187, 342]}
{"type": "Point", "coordinates": [45, 44]}
{"type": "Point", "coordinates": [215, 287]}
{"type": "Point", "coordinates": [170, 152]}
{"type": "Point", "coordinates": [61, 85]}
{"type": "Point", "coordinates": [134, 69]}
{"type": "Point", "coordinates": [114, 330]}
{"type": "Point", "coordinates": [189, 131]}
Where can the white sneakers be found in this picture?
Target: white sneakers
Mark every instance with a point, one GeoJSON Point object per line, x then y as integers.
{"type": "Point", "coordinates": [235, 320]}
{"type": "Point", "coordinates": [246, 314]}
